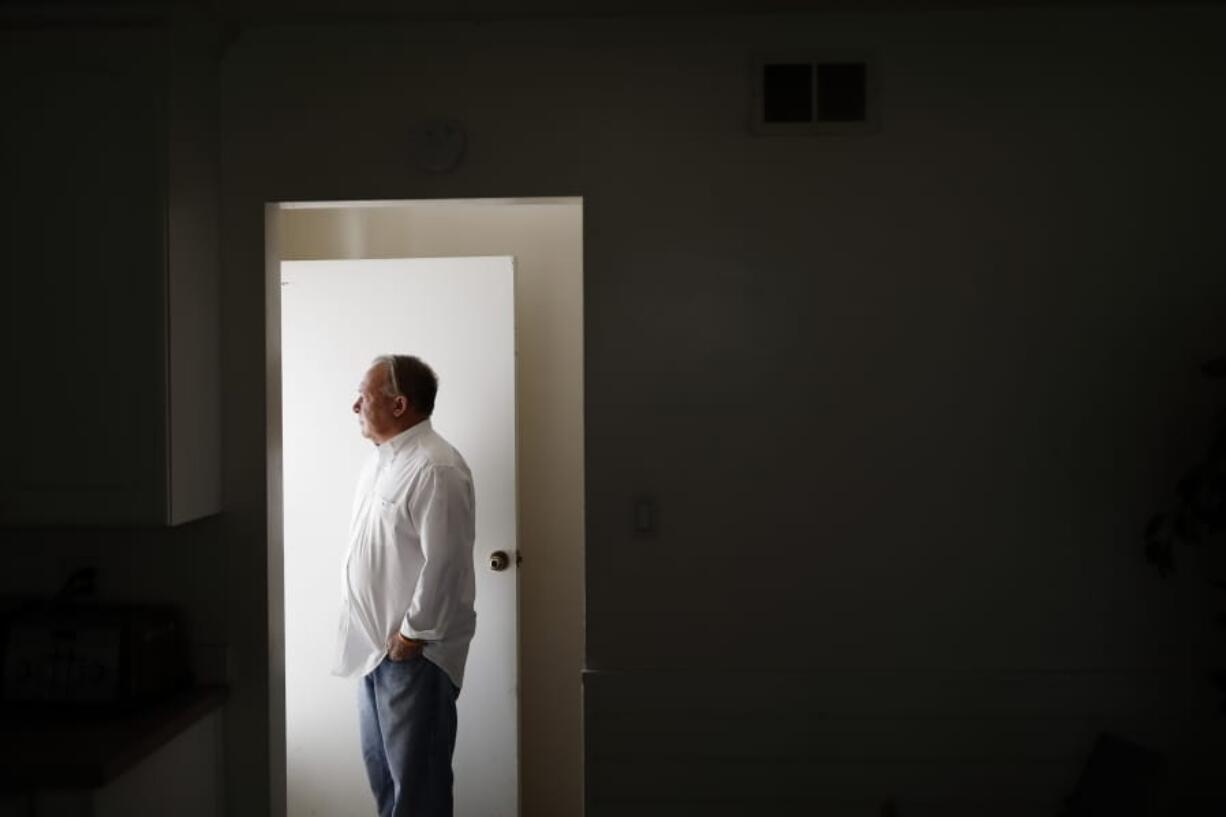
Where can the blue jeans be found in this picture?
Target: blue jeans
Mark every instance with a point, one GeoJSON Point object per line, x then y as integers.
{"type": "Point", "coordinates": [407, 722]}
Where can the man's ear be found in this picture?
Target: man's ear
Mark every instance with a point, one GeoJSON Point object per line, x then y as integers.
{"type": "Point", "coordinates": [402, 405]}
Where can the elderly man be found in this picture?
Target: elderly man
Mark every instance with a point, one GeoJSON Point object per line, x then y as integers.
{"type": "Point", "coordinates": [407, 614]}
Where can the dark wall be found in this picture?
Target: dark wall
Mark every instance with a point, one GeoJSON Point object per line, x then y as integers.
{"type": "Point", "coordinates": [904, 400]}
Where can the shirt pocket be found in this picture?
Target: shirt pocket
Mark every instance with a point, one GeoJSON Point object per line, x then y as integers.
{"type": "Point", "coordinates": [388, 512]}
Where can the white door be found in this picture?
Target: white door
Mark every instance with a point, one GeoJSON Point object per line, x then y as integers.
{"type": "Point", "coordinates": [457, 314]}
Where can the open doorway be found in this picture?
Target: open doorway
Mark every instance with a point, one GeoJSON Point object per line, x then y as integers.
{"type": "Point", "coordinates": [545, 237]}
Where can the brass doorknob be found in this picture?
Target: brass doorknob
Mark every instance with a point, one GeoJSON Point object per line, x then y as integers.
{"type": "Point", "coordinates": [499, 561]}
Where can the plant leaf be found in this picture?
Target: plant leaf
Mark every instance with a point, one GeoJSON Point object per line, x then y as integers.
{"type": "Point", "coordinates": [1215, 367]}
{"type": "Point", "coordinates": [1186, 526]}
{"type": "Point", "coordinates": [1158, 553]}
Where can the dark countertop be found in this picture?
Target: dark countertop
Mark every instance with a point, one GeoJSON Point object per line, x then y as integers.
{"type": "Point", "coordinates": [43, 747]}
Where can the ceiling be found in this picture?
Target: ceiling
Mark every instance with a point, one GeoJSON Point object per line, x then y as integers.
{"type": "Point", "coordinates": [515, 9]}
{"type": "Point", "coordinates": [333, 11]}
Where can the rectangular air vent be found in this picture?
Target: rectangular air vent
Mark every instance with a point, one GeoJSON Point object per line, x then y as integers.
{"type": "Point", "coordinates": [799, 95]}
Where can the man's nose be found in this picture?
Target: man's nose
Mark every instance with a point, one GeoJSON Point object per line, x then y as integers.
{"type": "Point", "coordinates": [357, 405]}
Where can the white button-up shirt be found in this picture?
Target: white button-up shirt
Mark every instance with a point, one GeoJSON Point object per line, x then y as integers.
{"type": "Point", "coordinates": [410, 559]}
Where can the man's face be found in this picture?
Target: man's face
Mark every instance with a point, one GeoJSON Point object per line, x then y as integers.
{"type": "Point", "coordinates": [377, 413]}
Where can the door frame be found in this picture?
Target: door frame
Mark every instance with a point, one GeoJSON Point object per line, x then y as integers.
{"type": "Point", "coordinates": [560, 394]}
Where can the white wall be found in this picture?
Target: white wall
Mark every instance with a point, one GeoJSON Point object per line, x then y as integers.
{"type": "Point", "coordinates": [905, 401]}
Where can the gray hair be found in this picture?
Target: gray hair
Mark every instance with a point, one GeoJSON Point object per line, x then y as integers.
{"type": "Point", "coordinates": [409, 377]}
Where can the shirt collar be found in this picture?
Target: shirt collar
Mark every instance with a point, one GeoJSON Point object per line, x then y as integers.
{"type": "Point", "coordinates": [398, 443]}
